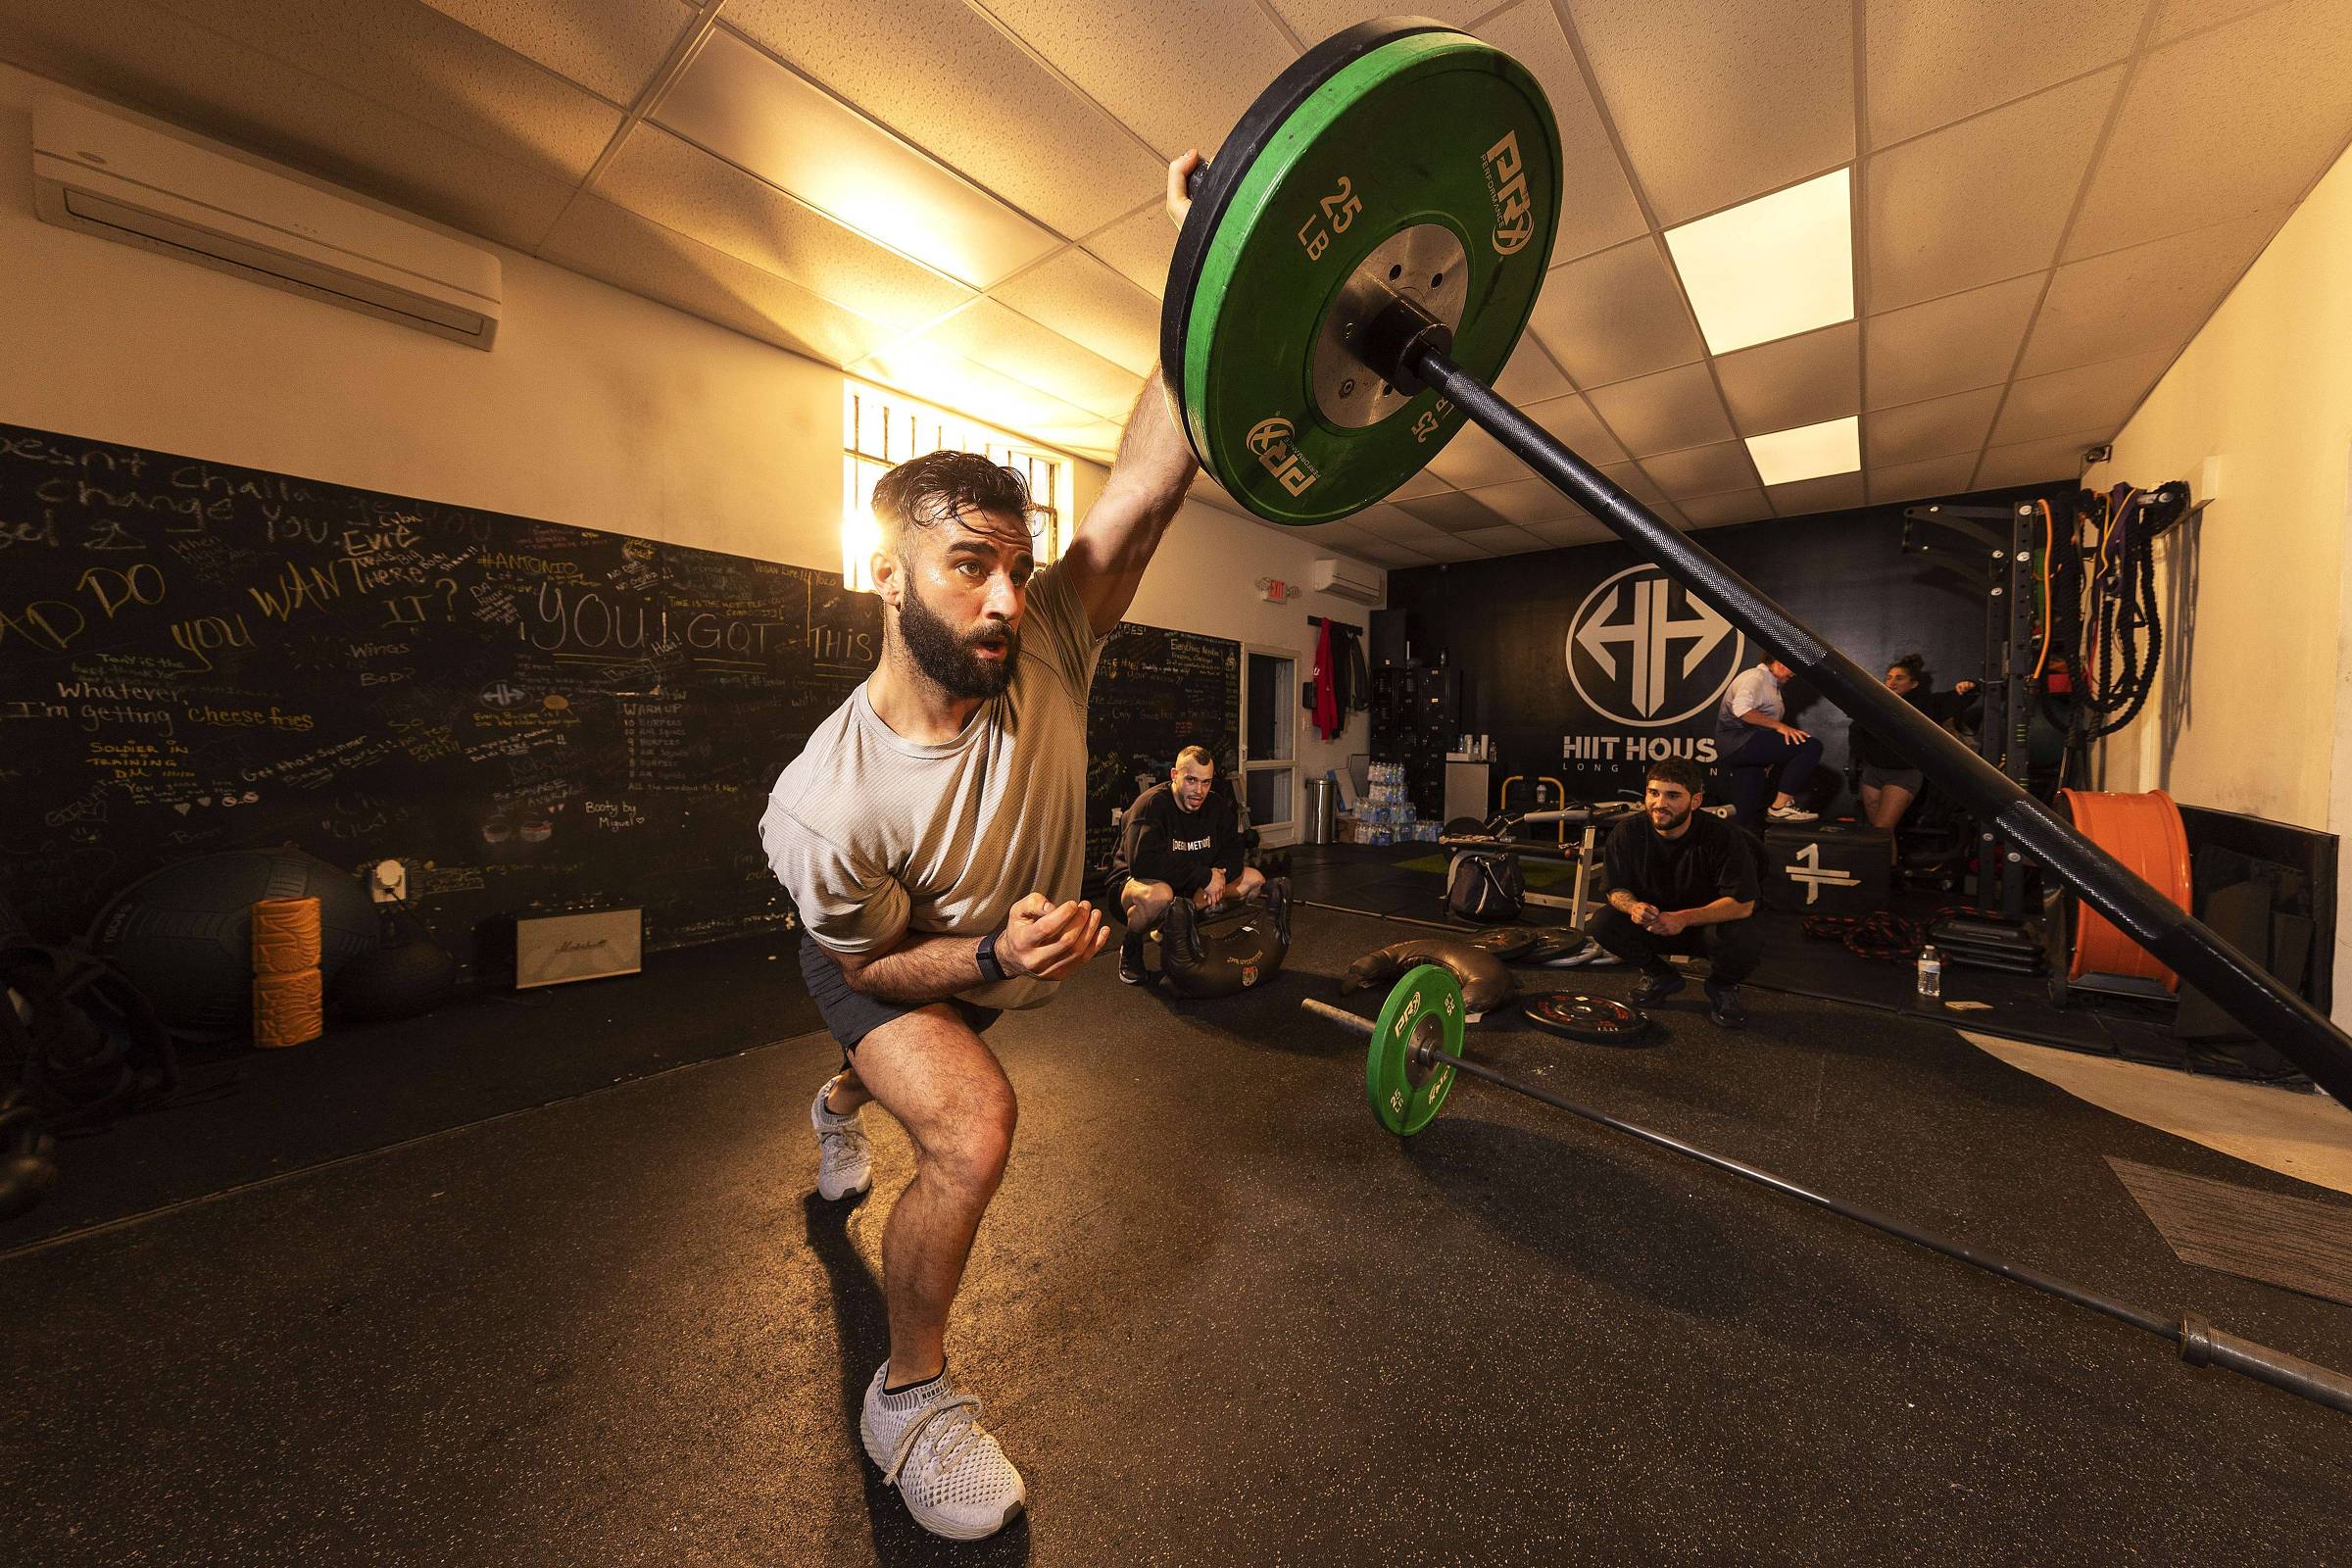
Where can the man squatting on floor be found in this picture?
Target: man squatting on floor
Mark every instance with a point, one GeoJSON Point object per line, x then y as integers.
{"type": "Point", "coordinates": [932, 836]}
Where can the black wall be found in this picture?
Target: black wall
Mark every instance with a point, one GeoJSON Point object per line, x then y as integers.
{"type": "Point", "coordinates": [531, 717]}
{"type": "Point", "coordinates": [1507, 623]}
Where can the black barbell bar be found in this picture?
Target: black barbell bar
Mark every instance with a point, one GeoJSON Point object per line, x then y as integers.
{"type": "Point", "coordinates": [2200, 1343]}
{"type": "Point", "coordinates": [2191, 948]}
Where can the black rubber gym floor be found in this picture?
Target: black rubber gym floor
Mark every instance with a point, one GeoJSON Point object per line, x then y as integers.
{"type": "Point", "coordinates": [1217, 1316]}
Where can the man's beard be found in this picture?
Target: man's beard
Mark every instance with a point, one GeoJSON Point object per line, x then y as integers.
{"type": "Point", "coordinates": [1674, 819]}
{"type": "Point", "coordinates": [947, 658]}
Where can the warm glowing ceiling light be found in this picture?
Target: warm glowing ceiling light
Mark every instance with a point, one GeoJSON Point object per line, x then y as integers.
{"type": "Point", "coordinates": [1772, 267]}
{"type": "Point", "coordinates": [1808, 451]}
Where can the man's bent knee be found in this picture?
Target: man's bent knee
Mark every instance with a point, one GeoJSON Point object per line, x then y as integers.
{"type": "Point", "coordinates": [1144, 902]}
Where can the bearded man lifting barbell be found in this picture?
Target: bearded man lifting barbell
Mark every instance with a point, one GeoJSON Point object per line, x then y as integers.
{"type": "Point", "coordinates": [932, 836]}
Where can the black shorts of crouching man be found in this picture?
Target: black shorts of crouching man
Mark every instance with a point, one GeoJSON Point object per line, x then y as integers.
{"type": "Point", "coordinates": [851, 1015]}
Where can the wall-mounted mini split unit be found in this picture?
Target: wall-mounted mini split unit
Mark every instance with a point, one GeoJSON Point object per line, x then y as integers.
{"type": "Point", "coordinates": [1348, 579]}
{"type": "Point", "coordinates": [166, 191]}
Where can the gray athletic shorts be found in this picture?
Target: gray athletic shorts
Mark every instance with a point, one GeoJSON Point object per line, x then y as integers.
{"type": "Point", "coordinates": [1875, 777]}
{"type": "Point", "coordinates": [851, 1015]}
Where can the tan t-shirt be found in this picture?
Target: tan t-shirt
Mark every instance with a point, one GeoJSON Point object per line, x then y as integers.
{"type": "Point", "coordinates": [873, 834]}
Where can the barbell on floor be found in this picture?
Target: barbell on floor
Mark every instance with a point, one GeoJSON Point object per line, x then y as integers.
{"type": "Point", "coordinates": [1416, 1052]}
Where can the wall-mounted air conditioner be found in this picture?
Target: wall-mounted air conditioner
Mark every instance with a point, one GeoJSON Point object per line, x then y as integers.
{"type": "Point", "coordinates": [166, 191]}
{"type": "Point", "coordinates": [1348, 579]}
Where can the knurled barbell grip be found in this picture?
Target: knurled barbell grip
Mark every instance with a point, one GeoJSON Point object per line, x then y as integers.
{"type": "Point", "coordinates": [1338, 1015]}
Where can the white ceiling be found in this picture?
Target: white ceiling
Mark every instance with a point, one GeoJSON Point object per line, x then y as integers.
{"type": "Point", "coordinates": [2051, 196]}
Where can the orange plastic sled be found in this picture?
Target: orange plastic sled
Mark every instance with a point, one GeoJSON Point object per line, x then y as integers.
{"type": "Point", "coordinates": [2145, 833]}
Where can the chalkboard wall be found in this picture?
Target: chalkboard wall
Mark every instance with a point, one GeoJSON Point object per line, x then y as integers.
{"type": "Point", "coordinates": [531, 717]}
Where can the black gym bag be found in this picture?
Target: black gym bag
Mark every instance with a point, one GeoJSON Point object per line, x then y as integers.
{"type": "Point", "coordinates": [1485, 888]}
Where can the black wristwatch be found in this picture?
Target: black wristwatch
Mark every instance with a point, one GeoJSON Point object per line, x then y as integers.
{"type": "Point", "coordinates": [985, 956]}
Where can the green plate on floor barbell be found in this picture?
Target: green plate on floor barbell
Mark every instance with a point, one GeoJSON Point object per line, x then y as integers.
{"type": "Point", "coordinates": [1423, 1007]}
{"type": "Point", "coordinates": [1398, 157]}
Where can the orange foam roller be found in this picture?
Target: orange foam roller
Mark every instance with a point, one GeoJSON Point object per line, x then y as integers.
{"type": "Point", "coordinates": [286, 1008]}
{"type": "Point", "coordinates": [2145, 833]}
{"type": "Point", "coordinates": [285, 935]}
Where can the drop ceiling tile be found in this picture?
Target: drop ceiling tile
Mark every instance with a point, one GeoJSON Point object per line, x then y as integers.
{"type": "Point", "coordinates": [2086, 398]}
{"type": "Point", "coordinates": [1531, 376]}
{"type": "Point", "coordinates": [1209, 492]}
{"type": "Point", "coordinates": [2152, 296]}
{"type": "Point", "coordinates": [2221, 126]}
{"type": "Point", "coordinates": [1424, 483]}
{"type": "Point", "coordinates": [1930, 479]}
{"type": "Point", "coordinates": [1087, 302]}
{"type": "Point", "coordinates": [1503, 541]}
{"type": "Point", "coordinates": [1737, 505]}
{"type": "Point", "coordinates": [1573, 420]}
{"type": "Point", "coordinates": [951, 381]}
{"type": "Point", "coordinates": [1947, 345]}
{"type": "Point", "coordinates": [1836, 493]}
{"type": "Point", "coordinates": [1453, 513]}
{"type": "Point", "coordinates": [1314, 20]}
{"type": "Point", "coordinates": [1530, 501]}
{"type": "Point", "coordinates": [1931, 64]}
{"type": "Point", "coordinates": [1702, 471]}
{"type": "Point", "coordinates": [684, 188]}
{"type": "Point", "coordinates": [1179, 72]}
{"type": "Point", "coordinates": [603, 241]}
{"type": "Point", "coordinates": [1380, 553]}
{"type": "Point", "coordinates": [1139, 247]}
{"type": "Point", "coordinates": [1600, 209]}
{"type": "Point", "coordinates": [760, 115]}
{"type": "Point", "coordinates": [1002, 339]}
{"type": "Point", "coordinates": [1615, 316]}
{"type": "Point", "coordinates": [2191, 16]}
{"type": "Point", "coordinates": [1664, 412]}
{"type": "Point", "coordinates": [432, 68]}
{"type": "Point", "coordinates": [1629, 478]}
{"type": "Point", "coordinates": [133, 53]}
{"type": "Point", "coordinates": [1473, 458]}
{"type": "Point", "coordinates": [2030, 462]}
{"type": "Point", "coordinates": [1393, 524]}
{"type": "Point", "coordinates": [1939, 427]}
{"type": "Point", "coordinates": [1569, 534]}
{"type": "Point", "coordinates": [1719, 102]}
{"type": "Point", "coordinates": [610, 47]}
{"type": "Point", "coordinates": [1450, 549]}
{"type": "Point", "coordinates": [1797, 380]}
{"type": "Point", "coordinates": [1342, 538]}
{"type": "Point", "coordinates": [942, 75]}
{"type": "Point", "coordinates": [1983, 200]}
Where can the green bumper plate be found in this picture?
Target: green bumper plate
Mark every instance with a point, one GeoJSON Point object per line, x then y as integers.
{"type": "Point", "coordinates": [1388, 128]}
{"type": "Point", "coordinates": [1425, 1003]}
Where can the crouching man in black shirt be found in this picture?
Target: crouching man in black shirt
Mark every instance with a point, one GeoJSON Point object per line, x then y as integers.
{"type": "Point", "coordinates": [1678, 873]}
{"type": "Point", "coordinates": [1177, 841]}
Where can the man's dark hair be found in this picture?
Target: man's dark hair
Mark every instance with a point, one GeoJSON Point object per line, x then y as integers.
{"type": "Point", "coordinates": [1197, 755]}
{"type": "Point", "coordinates": [1678, 771]}
{"type": "Point", "coordinates": [939, 486]}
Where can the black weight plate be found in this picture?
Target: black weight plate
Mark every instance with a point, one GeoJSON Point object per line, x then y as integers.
{"type": "Point", "coordinates": [1598, 1019]}
{"type": "Point", "coordinates": [1506, 942]}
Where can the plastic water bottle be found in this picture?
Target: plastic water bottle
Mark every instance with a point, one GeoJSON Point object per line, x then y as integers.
{"type": "Point", "coordinates": [1931, 973]}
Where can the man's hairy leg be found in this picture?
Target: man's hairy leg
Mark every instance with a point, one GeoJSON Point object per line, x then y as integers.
{"type": "Point", "coordinates": [946, 1088]}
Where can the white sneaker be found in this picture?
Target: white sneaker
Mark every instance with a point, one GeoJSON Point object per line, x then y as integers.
{"type": "Point", "coordinates": [844, 1166]}
{"type": "Point", "coordinates": [930, 1445]}
{"type": "Point", "coordinates": [1789, 814]}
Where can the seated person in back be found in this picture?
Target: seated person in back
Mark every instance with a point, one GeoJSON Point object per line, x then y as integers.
{"type": "Point", "coordinates": [1178, 841]}
{"type": "Point", "coordinates": [1682, 879]}
{"type": "Point", "coordinates": [1752, 731]}
{"type": "Point", "coordinates": [1890, 783]}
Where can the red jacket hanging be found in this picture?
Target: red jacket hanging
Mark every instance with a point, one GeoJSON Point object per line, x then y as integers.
{"type": "Point", "coordinates": [1327, 701]}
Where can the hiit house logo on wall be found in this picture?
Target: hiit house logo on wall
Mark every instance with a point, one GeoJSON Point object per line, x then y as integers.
{"type": "Point", "coordinates": [1643, 653]}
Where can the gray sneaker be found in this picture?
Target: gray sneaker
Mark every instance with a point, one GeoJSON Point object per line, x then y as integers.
{"type": "Point", "coordinates": [844, 1166]}
{"type": "Point", "coordinates": [930, 1445]}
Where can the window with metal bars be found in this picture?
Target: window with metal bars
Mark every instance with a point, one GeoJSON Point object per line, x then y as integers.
{"type": "Point", "coordinates": [881, 429]}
